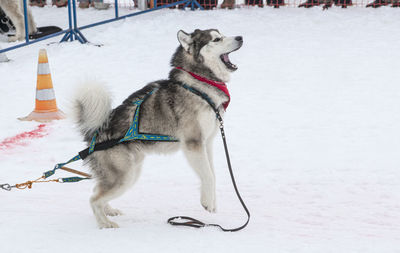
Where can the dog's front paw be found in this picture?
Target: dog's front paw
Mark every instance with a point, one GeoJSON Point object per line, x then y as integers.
{"type": "Point", "coordinates": [209, 204]}
{"type": "Point", "coordinates": [108, 224]}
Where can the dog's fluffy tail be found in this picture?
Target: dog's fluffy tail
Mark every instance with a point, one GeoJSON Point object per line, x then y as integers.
{"type": "Point", "coordinates": [91, 107]}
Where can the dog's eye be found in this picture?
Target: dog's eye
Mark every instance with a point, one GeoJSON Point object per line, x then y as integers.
{"type": "Point", "coordinates": [216, 39]}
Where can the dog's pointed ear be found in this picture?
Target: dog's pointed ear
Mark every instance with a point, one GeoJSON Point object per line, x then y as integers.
{"type": "Point", "coordinates": [184, 39]}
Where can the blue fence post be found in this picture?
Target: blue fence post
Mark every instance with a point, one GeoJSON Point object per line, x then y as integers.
{"type": "Point", "coordinates": [68, 35]}
{"type": "Point", "coordinates": [74, 16]}
{"type": "Point", "coordinates": [155, 3]}
{"type": "Point", "coordinates": [26, 22]}
{"type": "Point", "coordinates": [194, 2]}
{"type": "Point", "coordinates": [188, 2]}
{"type": "Point", "coordinates": [69, 19]}
{"type": "Point", "coordinates": [116, 8]}
{"type": "Point", "coordinates": [76, 34]}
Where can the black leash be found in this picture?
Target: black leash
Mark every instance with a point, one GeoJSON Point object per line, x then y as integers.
{"type": "Point", "coordinates": [191, 222]}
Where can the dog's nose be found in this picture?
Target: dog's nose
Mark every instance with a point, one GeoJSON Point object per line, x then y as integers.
{"type": "Point", "coordinates": [239, 38]}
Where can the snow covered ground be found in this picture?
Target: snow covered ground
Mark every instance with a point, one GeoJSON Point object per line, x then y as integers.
{"type": "Point", "coordinates": [313, 131]}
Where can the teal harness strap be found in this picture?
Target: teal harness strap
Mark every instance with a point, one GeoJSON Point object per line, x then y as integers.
{"type": "Point", "coordinates": [93, 143]}
{"type": "Point", "coordinates": [205, 97]}
{"type": "Point", "coordinates": [74, 159]}
{"type": "Point", "coordinates": [65, 179]}
{"type": "Point", "coordinates": [72, 179]}
{"type": "Point", "coordinates": [59, 165]}
{"type": "Point", "coordinates": [133, 131]}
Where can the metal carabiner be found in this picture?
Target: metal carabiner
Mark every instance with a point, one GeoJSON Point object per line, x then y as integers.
{"type": "Point", "coordinates": [6, 187]}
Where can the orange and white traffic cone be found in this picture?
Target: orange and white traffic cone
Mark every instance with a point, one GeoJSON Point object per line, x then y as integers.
{"type": "Point", "coordinates": [45, 105]}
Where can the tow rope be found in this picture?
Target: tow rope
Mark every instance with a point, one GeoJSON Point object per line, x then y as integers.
{"type": "Point", "coordinates": [133, 134]}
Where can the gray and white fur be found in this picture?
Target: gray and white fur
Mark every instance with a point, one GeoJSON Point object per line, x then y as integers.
{"type": "Point", "coordinates": [14, 9]}
{"type": "Point", "coordinates": [171, 110]}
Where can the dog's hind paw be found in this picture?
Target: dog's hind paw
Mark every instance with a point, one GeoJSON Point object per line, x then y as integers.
{"type": "Point", "coordinates": [109, 211]}
{"type": "Point", "coordinates": [108, 224]}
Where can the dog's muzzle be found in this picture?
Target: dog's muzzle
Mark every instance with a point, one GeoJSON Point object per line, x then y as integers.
{"type": "Point", "coordinates": [225, 57]}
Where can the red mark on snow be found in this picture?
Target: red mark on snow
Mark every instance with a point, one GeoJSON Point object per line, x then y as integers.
{"type": "Point", "coordinates": [20, 139]}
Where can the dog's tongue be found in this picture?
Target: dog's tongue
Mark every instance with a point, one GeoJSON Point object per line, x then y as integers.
{"type": "Point", "coordinates": [226, 58]}
{"type": "Point", "coordinates": [228, 63]}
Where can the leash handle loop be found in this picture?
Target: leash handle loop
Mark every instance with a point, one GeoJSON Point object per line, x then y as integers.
{"type": "Point", "coordinates": [189, 223]}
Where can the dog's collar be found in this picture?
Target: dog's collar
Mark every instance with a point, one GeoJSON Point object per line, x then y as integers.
{"type": "Point", "coordinates": [219, 85]}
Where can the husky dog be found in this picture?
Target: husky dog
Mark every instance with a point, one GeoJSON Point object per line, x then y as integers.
{"type": "Point", "coordinates": [171, 110]}
{"type": "Point", "coordinates": [14, 9]}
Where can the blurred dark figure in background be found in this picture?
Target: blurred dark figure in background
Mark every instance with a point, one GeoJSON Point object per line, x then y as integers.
{"type": "Point", "coordinates": [379, 3]}
{"type": "Point", "coordinates": [208, 4]}
{"type": "Point", "coordinates": [38, 3]}
{"type": "Point", "coordinates": [5, 23]}
{"type": "Point", "coordinates": [60, 3]}
{"type": "Point", "coordinates": [326, 3]}
{"type": "Point", "coordinates": [275, 3]}
{"type": "Point", "coordinates": [260, 3]}
{"type": "Point", "coordinates": [230, 4]}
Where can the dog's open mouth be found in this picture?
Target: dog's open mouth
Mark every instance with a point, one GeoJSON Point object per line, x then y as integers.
{"type": "Point", "coordinates": [225, 59]}
{"type": "Point", "coordinates": [227, 62]}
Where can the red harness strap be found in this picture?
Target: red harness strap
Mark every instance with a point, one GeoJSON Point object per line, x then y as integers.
{"type": "Point", "coordinates": [219, 85]}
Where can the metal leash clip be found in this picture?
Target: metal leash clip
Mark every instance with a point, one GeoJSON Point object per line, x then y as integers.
{"type": "Point", "coordinates": [6, 187]}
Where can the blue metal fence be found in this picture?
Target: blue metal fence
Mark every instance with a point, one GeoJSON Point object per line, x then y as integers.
{"type": "Point", "coordinates": [73, 32]}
